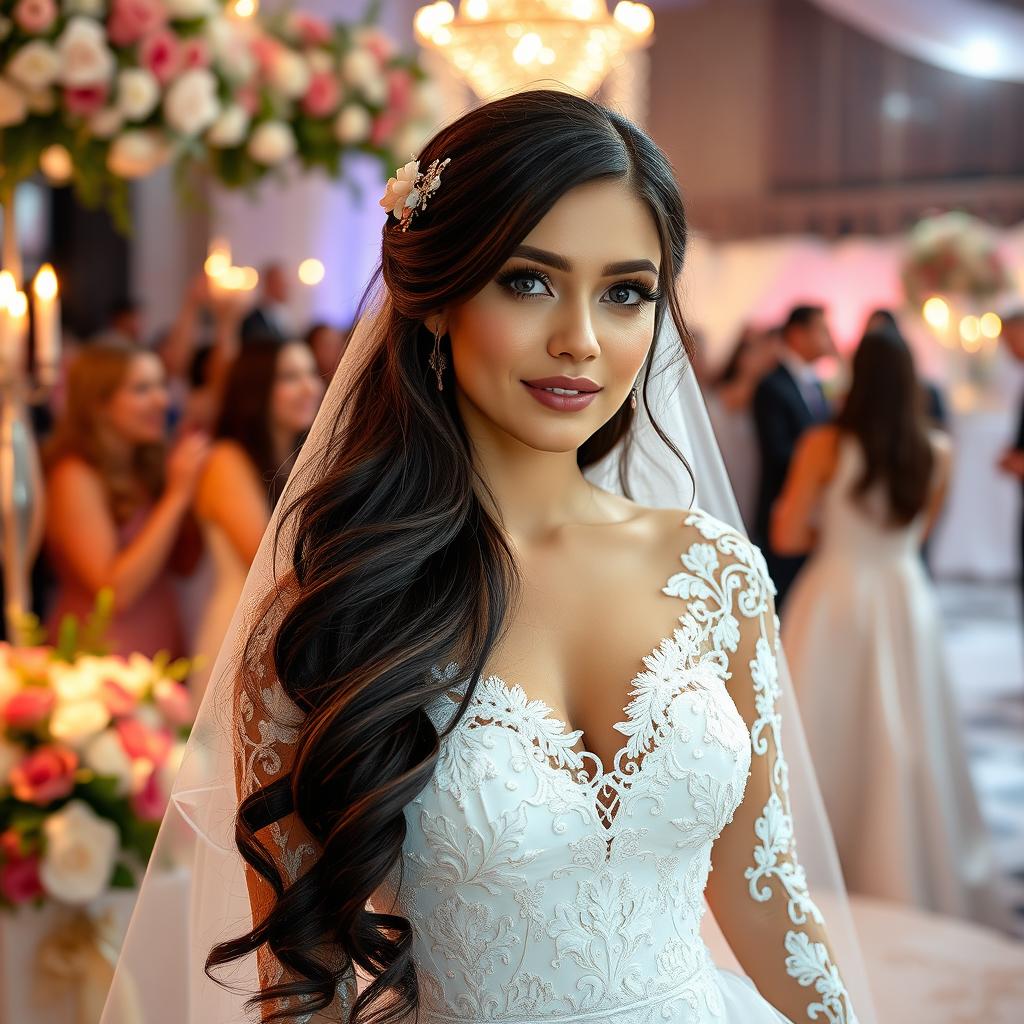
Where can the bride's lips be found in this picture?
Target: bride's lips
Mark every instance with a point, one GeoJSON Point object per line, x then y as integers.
{"type": "Point", "coordinates": [564, 403]}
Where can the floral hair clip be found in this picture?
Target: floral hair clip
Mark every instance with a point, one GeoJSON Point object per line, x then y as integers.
{"type": "Point", "coordinates": [408, 193]}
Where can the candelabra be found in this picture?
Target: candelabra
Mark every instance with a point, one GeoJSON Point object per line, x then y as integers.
{"type": "Point", "coordinates": [21, 482]}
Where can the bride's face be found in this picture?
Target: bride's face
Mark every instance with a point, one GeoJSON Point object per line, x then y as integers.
{"type": "Point", "coordinates": [576, 300]}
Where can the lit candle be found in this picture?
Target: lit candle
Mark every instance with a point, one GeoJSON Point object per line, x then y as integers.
{"type": "Point", "coordinates": [8, 288]}
{"type": "Point", "coordinates": [17, 326]}
{"type": "Point", "coordinates": [46, 314]}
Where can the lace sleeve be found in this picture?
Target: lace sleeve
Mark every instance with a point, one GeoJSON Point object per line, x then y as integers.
{"type": "Point", "coordinates": [758, 891]}
{"type": "Point", "coordinates": [266, 731]}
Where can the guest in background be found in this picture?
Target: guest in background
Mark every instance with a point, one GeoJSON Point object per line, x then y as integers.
{"type": "Point", "coordinates": [730, 399]}
{"type": "Point", "coordinates": [272, 396]}
{"type": "Point", "coordinates": [270, 319]}
{"type": "Point", "coordinates": [117, 504]}
{"type": "Point", "coordinates": [125, 323]}
{"type": "Point", "coordinates": [787, 402]}
{"type": "Point", "coordinates": [935, 403]}
{"type": "Point", "coordinates": [863, 637]}
{"type": "Point", "coordinates": [1012, 461]}
{"type": "Point", "coordinates": [328, 344]}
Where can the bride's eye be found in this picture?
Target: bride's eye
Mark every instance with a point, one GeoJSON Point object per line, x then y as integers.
{"type": "Point", "coordinates": [524, 284]}
{"type": "Point", "coordinates": [630, 293]}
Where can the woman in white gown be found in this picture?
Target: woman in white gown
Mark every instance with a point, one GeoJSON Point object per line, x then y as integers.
{"type": "Point", "coordinates": [863, 636]}
{"type": "Point", "coordinates": [271, 398]}
{"type": "Point", "coordinates": [495, 724]}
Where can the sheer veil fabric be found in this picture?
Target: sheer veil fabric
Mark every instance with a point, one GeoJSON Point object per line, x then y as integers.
{"type": "Point", "coordinates": [194, 894]}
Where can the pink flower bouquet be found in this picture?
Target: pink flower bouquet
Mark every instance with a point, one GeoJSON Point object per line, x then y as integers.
{"type": "Point", "coordinates": [123, 87]}
{"type": "Point", "coordinates": [89, 746]}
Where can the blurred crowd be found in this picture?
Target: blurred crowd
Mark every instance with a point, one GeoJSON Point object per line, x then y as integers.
{"type": "Point", "coordinates": [163, 459]}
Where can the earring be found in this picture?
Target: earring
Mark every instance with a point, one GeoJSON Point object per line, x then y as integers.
{"type": "Point", "coordinates": [438, 362]}
{"type": "Point", "coordinates": [632, 398]}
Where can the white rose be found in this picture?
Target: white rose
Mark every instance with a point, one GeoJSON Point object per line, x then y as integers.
{"type": "Point", "coordinates": [79, 855]}
{"type": "Point", "coordinates": [271, 143]}
{"type": "Point", "coordinates": [13, 108]}
{"type": "Point", "coordinates": [76, 722]}
{"type": "Point", "coordinates": [320, 61]}
{"type": "Point", "coordinates": [191, 103]}
{"type": "Point", "coordinates": [79, 681]}
{"type": "Point", "coordinates": [35, 66]}
{"type": "Point", "coordinates": [188, 10]}
{"type": "Point", "coordinates": [290, 74]}
{"type": "Point", "coordinates": [375, 91]}
{"type": "Point", "coordinates": [105, 755]}
{"type": "Point", "coordinates": [352, 125]}
{"type": "Point", "coordinates": [230, 46]}
{"type": "Point", "coordinates": [136, 153]}
{"type": "Point", "coordinates": [359, 67]}
{"type": "Point", "coordinates": [92, 8]}
{"type": "Point", "coordinates": [137, 93]}
{"type": "Point", "coordinates": [229, 129]}
{"type": "Point", "coordinates": [84, 55]}
{"type": "Point", "coordinates": [10, 755]}
{"type": "Point", "coordinates": [106, 123]}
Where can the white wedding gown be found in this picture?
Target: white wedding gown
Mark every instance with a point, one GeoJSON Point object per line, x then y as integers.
{"type": "Point", "coordinates": [863, 637]}
{"type": "Point", "coordinates": [540, 888]}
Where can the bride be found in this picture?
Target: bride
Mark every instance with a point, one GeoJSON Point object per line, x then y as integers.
{"type": "Point", "coordinates": [500, 730]}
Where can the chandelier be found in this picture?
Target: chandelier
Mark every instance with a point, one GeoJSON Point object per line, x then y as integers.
{"type": "Point", "coordinates": [501, 46]}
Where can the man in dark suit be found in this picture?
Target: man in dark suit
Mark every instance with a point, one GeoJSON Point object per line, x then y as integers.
{"type": "Point", "coordinates": [787, 402]}
{"type": "Point", "coordinates": [1012, 461]}
{"type": "Point", "coordinates": [269, 320]}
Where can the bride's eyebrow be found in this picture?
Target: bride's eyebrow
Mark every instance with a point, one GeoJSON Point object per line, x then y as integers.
{"type": "Point", "coordinates": [557, 262]}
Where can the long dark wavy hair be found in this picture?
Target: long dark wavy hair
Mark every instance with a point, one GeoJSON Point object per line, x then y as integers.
{"type": "Point", "coordinates": [244, 415]}
{"type": "Point", "coordinates": [396, 566]}
{"type": "Point", "coordinates": [885, 412]}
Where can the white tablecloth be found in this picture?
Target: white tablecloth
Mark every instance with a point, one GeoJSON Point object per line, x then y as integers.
{"type": "Point", "coordinates": [978, 534]}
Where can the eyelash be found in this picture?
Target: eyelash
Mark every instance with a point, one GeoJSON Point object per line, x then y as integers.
{"type": "Point", "coordinates": [646, 293]}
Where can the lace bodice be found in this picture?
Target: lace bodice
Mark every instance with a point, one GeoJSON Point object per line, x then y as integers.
{"type": "Point", "coordinates": [541, 887]}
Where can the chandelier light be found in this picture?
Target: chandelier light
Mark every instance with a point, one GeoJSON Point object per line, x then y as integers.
{"type": "Point", "coordinates": [501, 46]}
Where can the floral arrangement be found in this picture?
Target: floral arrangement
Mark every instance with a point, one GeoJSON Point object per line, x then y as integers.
{"type": "Point", "coordinates": [953, 254]}
{"type": "Point", "coordinates": [89, 746]}
{"type": "Point", "coordinates": [100, 91]}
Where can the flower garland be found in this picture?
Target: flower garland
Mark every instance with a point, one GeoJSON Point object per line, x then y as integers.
{"type": "Point", "coordinates": [98, 92]}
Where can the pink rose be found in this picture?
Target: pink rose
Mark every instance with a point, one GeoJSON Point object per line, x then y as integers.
{"type": "Point", "coordinates": [323, 95]}
{"type": "Point", "coordinates": [160, 53]}
{"type": "Point", "coordinates": [86, 100]}
{"type": "Point", "coordinates": [248, 98]}
{"type": "Point", "coordinates": [384, 127]}
{"type": "Point", "coordinates": [174, 702]}
{"type": "Point", "coordinates": [377, 43]}
{"type": "Point", "coordinates": [143, 743]}
{"type": "Point", "coordinates": [28, 708]}
{"type": "Point", "coordinates": [266, 52]}
{"type": "Point", "coordinates": [312, 31]}
{"type": "Point", "coordinates": [35, 16]}
{"type": "Point", "coordinates": [45, 775]}
{"type": "Point", "coordinates": [150, 802]}
{"type": "Point", "coordinates": [130, 20]}
{"type": "Point", "coordinates": [195, 53]}
{"type": "Point", "coordinates": [19, 880]}
{"type": "Point", "coordinates": [399, 91]}
{"type": "Point", "coordinates": [117, 700]}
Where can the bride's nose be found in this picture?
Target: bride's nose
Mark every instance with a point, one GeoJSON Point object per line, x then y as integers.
{"type": "Point", "coordinates": [573, 332]}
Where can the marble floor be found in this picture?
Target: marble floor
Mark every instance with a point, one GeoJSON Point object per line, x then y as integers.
{"type": "Point", "coordinates": [985, 644]}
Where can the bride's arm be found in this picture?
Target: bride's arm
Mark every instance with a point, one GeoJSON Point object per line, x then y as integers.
{"type": "Point", "coordinates": [757, 889]}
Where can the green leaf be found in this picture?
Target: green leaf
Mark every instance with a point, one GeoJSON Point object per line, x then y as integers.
{"type": "Point", "coordinates": [122, 877]}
